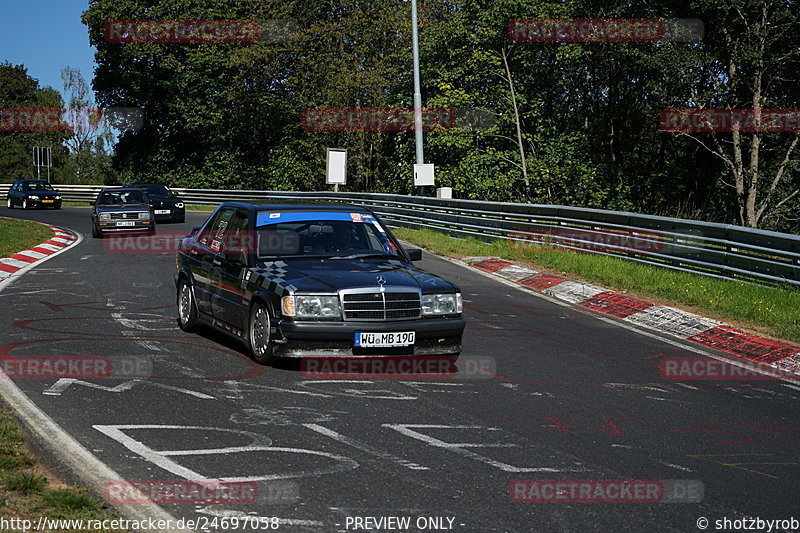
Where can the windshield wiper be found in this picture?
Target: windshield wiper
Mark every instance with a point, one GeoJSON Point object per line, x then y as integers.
{"type": "Point", "coordinates": [366, 256]}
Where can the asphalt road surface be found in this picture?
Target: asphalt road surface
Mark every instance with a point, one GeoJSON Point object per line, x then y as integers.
{"type": "Point", "coordinates": [573, 397]}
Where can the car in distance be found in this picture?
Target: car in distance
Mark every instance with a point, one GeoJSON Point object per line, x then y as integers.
{"type": "Point", "coordinates": [121, 210]}
{"type": "Point", "coordinates": [29, 194]}
{"type": "Point", "coordinates": [304, 280]}
{"type": "Point", "coordinates": [167, 205]}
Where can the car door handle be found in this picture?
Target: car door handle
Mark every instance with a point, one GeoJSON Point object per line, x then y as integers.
{"type": "Point", "coordinates": [216, 262]}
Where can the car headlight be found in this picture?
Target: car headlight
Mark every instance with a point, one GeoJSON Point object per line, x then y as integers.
{"type": "Point", "coordinates": [58, 197]}
{"type": "Point", "coordinates": [179, 205]}
{"type": "Point", "coordinates": [144, 216]}
{"type": "Point", "coordinates": [33, 197]}
{"type": "Point", "coordinates": [442, 304]}
{"type": "Point", "coordinates": [105, 217]}
{"type": "Point", "coordinates": [311, 306]}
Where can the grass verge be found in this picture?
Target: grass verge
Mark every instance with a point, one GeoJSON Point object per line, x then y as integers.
{"type": "Point", "coordinates": [773, 312]}
{"type": "Point", "coordinates": [27, 492]}
{"type": "Point", "coordinates": [17, 235]}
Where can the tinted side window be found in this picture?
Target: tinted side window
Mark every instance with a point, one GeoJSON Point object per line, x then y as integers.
{"type": "Point", "coordinates": [214, 232]}
{"type": "Point", "coordinates": [237, 242]}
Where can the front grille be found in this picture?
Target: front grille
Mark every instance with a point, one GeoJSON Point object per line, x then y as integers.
{"type": "Point", "coordinates": [387, 305]}
{"type": "Point", "coordinates": [125, 216]}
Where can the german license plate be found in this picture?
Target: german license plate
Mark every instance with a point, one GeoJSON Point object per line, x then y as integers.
{"type": "Point", "coordinates": [162, 211]}
{"type": "Point", "coordinates": [48, 201]}
{"type": "Point", "coordinates": [126, 223]}
{"type": "Point", "coordinates": [384, 340]}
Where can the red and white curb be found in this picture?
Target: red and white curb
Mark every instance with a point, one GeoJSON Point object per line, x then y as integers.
{"type": "Point", "coordinates": [21, 261]}
{"type": "Point", "coordinates": [780, 355]}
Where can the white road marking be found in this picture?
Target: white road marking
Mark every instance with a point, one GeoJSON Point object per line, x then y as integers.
{"type": "Point", "coordinates": [459, 448]}
{"type": "Point", "coordinates": [260, 444]}
{"type": "Point", "coordinates": [64, 383]}
{"type": "Point", "coordinates": [375, 394]}
{"type": "Point", "coordinates": [677, 467]}
{"type": "Point", "coordinates": [33, 254]}
{"type": "Point", "coordinates": [364, 447]}
{"type": "Point", "coordinates": [14, 262]}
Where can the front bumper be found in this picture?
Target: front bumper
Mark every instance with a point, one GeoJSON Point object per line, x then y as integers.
{"type": "Point", "coordinates": [138, 225]}
{"type": "Point", "coordinates": [434, 336]}
{"type": "Point", "coordinates": [174, 213]}
{"type": "Point", "coordinates": [46, 202]}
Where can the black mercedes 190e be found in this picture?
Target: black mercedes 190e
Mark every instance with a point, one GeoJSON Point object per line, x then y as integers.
{"type": "Point", "coordinates": [313, 280]}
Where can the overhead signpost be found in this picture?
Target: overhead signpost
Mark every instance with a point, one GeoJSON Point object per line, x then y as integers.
{"type": "Point", "coordinates": [42, 157]}
{"type": "Point", "coordinates": [336, 173]}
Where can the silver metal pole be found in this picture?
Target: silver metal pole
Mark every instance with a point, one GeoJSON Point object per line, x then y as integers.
{"type": "Point", "coordinates": [417, 93]}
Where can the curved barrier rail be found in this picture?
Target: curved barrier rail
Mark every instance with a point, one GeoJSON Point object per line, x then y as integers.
{"type": "Point", "coordinates": [717, 250]}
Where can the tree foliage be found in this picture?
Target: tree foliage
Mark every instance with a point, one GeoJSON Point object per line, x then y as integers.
{"type": "Point", "coordinates": [567, 123]}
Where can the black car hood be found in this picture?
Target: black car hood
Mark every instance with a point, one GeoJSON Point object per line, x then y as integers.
{"type": "Point", "coordinates": [43, 193]}
{"type": "Point", "coordinates": [122, 208]}
{"type": "Point", "coordinates": [331, 275]}
{"type": "Point", "coordinates": [163, 198]}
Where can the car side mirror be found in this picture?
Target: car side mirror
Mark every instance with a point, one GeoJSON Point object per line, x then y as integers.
{"type": "Point", "coordinates": [193, 232]}
{"type": "Point", "coordinates": [415, 254]}
{"type": "Point", "coordinates": [91, 202]}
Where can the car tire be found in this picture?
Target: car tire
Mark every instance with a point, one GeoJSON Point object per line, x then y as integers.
{"type": "Point", "coordinates": [96, 232]}
{"type": "Point", "coordinates": [24, 203]}
{"type": "Point", "coordinates": [10, 204]}
{"type": "Point", "coordinates": [187, 306]}
{"type": "Point", "coordinates": [258, 334]}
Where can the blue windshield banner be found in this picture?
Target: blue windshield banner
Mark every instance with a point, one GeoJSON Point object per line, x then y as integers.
{"type": "Point", "coordinates": [266, 218]}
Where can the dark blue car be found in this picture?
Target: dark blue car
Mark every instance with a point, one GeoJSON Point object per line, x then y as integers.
{"type": "Point", "coordinates": [30, 194]}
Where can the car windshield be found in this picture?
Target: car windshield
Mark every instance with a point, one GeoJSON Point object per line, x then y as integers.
{"type": "Point", "coordinates": [39, 186]}
{"type": "Point", "coordinates": [321, 234]}
{"type": "Point", "coordinates": [155, 190]}
{"type": "Point", "coordinates": [121, 197]}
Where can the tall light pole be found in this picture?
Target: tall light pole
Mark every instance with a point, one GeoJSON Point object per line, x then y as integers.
{"type": "Point", "coordinates": [417, 93]}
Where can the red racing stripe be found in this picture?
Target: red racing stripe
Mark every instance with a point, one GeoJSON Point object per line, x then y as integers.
{"type": "Point", "coordinates": [736, 342]}
{"type": "Point", "coordinates": [541, 281]}
{"type": "Point", "coordinates": [41, 250]}
{"type": "Point", "coordinates": [491, 265]}
{"type": "Point", "coordinates": [26, 258]}
{"type": "Point", "coordinates": [615, 304]}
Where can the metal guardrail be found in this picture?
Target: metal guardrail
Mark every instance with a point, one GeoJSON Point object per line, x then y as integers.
{"type": "Point", "coordinates": [717, 250]}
